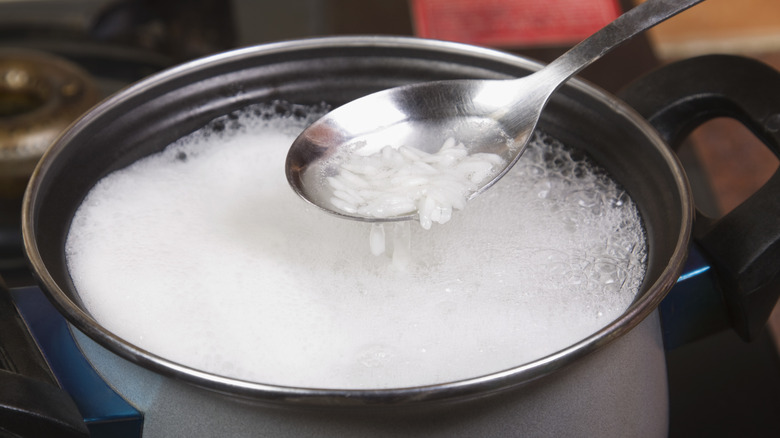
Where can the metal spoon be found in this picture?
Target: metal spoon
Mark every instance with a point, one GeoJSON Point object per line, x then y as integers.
{"type": "Point", "coordinates": [496, 116]}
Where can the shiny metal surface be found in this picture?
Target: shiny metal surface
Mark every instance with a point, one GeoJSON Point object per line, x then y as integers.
{"type": "Point", "coordinates": [147, 116]}
{"type": "Point", "coordinates": [494, 116]}
{"type": "Point", "coordinates": [40, 95]}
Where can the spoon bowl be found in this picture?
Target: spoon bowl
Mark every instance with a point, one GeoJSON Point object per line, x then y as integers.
{"type": "Point", "coordinates": [494, 117]}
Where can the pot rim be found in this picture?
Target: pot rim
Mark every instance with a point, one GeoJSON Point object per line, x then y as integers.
{"type": "Point", "coordinates": [475, 387]}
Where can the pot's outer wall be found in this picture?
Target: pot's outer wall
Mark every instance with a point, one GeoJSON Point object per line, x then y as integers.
{"type": "Point", "coordinates": [148, 116]}
{"type": "Point", "coordinates": [619, 391]}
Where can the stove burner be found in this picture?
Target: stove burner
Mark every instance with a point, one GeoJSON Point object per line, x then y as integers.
{"type": "Point", "coordinates": [40, 95]}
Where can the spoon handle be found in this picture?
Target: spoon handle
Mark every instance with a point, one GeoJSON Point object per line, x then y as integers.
{"type": "Point", "coordinates": [636, 20]}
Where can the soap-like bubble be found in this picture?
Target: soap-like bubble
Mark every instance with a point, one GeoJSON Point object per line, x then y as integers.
{"type": "Point", "coordinates": [202, 254]}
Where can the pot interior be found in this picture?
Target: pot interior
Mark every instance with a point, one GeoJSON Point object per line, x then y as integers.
{"type": "Point", "coordinates": [147, 117]}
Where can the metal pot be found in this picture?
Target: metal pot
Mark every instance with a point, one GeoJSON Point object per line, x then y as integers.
{"type": "Point", "coordinates": [609, 384]}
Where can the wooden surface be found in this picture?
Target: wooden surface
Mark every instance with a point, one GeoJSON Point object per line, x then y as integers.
{"type": "Point", "coordinates": [731, 26]}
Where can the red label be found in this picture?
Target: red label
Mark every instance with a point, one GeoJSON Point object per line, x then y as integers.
{"type": "Point", "coordinates": [513, 23]}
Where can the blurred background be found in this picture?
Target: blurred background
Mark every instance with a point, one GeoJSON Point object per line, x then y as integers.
{"type": "Point", "coordinates": [117, 42]}
{"type": "Point", "coordinates": [120, 41]}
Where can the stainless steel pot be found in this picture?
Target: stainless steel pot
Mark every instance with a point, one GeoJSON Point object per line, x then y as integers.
{"type": "Point", "coordinates": [609, 384]}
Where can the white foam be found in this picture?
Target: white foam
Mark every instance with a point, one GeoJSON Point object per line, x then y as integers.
{"type": "Point", "coordinates": [203, 255]}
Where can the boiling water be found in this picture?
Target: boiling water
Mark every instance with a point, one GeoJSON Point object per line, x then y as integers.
{"type": "Point", "coordinates": [203, 255]}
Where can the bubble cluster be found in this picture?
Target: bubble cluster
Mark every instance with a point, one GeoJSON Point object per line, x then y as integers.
{"type": "Point", "coordinates": [203, 255]}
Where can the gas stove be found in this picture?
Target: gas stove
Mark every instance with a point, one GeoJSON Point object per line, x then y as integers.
{"type": "Point", "coordinates": [718, 385]}
{"type": "Point", "coordinates": [50, 388]}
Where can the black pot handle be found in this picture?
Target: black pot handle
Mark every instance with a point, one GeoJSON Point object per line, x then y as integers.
{"type": "Point", "coordinates": [744, 246]}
